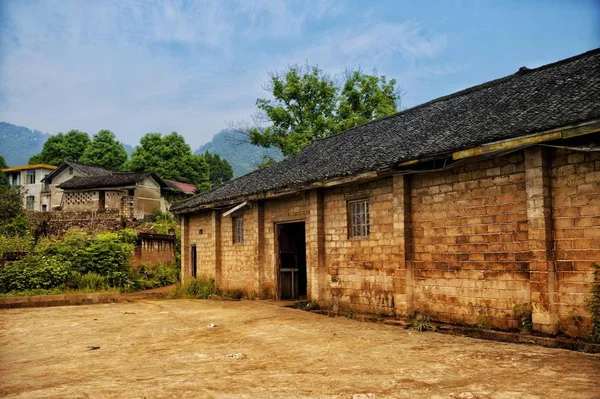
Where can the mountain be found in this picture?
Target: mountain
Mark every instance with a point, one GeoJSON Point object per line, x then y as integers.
{"type": "Point", "coordinates": [18, 143]}
{"type": "Point", "coordinates": [128, 150]}
{"type": "Point", "coordinates": [241, 155]}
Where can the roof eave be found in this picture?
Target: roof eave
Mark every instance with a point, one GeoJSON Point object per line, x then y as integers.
{"type": "Point", "coordinates": [501, 146]}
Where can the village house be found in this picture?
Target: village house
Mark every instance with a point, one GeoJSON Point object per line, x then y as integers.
{"type": "Point", "coordinates": [36, 193]}
{"type": "Point", "coordinates": [461, 208]}
{"type": "Point", "coordinates": [76, 187]}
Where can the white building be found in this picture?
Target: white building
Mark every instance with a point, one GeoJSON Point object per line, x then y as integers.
{"type": "Point", "coordinates": [36, 195]}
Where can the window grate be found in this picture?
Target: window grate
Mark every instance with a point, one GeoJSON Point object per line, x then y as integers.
{"type": "Point", "coordinates": [360, 221]}
{"type": "Point", "coordinates": [238, 230]}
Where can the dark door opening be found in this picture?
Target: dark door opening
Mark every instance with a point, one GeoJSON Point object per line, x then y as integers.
{"type": "Point", "coordinates": [194, 260]}
{"type": "Point", "coordinates": [101, 200]}
{"type": "Point", "coordinates": [292, 260]}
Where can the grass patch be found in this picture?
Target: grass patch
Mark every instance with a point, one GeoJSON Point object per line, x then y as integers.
{"type": "Point", "coordinates": [195, 288]}
{"type": "Point", "coordinates": [422, 322]}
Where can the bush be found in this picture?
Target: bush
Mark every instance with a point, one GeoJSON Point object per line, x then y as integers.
{"type": "Point", "coordinates": [15, 244]}
{"type": "Point", "coordinates": [107, 254]}
{"type": "Point", "coordinates": [128, 236]}
{"type": "Point", "coordinates": [89, 281]}
{"type": "Point", "coordinates": [104, 255]}
{"type": "Point", "coordinates": [165, 275]}
{"type": "Point", "coordinates": [34, 272]}
{"type": "Point", "coordinates": [196, 288]}
{"type": "Point", "coordinates": [18, 226]}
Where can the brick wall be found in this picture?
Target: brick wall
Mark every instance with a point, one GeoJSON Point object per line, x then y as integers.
{"type": "Point", "coordinates": [465, 244]}
{"type": "Point", "coordinates": [201, 233]}
{"type": "Point", "coordinates": [576, 213]}
{"type": "Point", "coordinates": [293, 208]}
{"type": "Point", "coordinates": [470, 241]}
{"type": "Point", "coordinates": [239, 260]}
{"type": "Point", "coordinates": [361, 269]}
{"type": "Point", "coordinates": [152, 250]}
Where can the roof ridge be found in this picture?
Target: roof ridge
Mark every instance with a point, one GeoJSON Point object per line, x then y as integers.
{"type": "Point", "coordinates": [468, 90]}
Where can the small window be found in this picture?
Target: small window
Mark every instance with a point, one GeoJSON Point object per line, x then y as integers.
{"type": "Point", "coordinates": [238, 230]}
{"type": "Point", "coordinates": [31, 176]}
{"type": "Point", "coordinates": [70, 170]}
{"type": "Point", "coordinates": [44, 208]}
{"type": "Point", "coordinates": [359, 221]}
{"type": "Point", "coordinates": [30, 202]}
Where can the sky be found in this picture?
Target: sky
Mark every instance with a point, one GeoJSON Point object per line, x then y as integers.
{"type": "Point", "coordinates": [136, 66]}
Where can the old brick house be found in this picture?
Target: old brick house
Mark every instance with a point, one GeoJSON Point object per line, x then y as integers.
{"type": "Point", "coordinates": [461, 207]}
{"type": "Point", "coordinates": [77, 187]}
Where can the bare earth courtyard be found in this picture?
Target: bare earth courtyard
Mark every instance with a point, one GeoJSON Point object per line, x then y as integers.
{"type": "Point", "coordinates": [164, 349]}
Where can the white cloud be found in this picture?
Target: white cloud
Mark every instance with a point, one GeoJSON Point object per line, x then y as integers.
{"type": "Point", "coordinates": [135, 67]}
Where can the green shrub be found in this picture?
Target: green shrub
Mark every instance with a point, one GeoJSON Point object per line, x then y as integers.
{"type": "Point", "coordinates": [15, 243]}
{"type": "Point", "coordinates": [105, 255]}
{"type": "Point", "coordinates": [165, 275]}
{"type": "Point", "coordinates": [197, 288]}
{"type": "Point", "coordinates": [16, 227]}
{"type": "Point", "coordinates": [35, 271]}
{"type": "Point", "coordinates": [121, 279]}
{"type": "Point", "coordinates": [422, 322]}
{"type": "Point", "coordinates": [89, 282]}
{"type": "Point", "coordinates": [129, 236]}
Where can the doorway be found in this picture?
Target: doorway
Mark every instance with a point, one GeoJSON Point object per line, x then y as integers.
{"type": "Point", "coordinates": [101, 200]}
{"type": "Point", "coordinates": [194, 260]}
{"type": "Point", "coordinates": [291, 255]}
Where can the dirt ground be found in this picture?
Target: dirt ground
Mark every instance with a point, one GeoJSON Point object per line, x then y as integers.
{"type": "Point", "coordinates": [164, 349]}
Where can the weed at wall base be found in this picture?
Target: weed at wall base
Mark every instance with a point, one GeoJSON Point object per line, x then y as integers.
{"type": "Point", "coordinates": [195, 288]}
{"type": "Point", "coordinates": [593, 304]}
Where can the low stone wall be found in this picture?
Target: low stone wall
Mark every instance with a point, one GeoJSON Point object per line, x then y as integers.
{"type": "Point", "coordinates": [153, 249]}
{"type": "Point", "coordinates": [41, 301]}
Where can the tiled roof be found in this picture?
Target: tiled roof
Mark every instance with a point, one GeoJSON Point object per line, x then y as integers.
{"type": "Point", "coordinates": [532, 100]}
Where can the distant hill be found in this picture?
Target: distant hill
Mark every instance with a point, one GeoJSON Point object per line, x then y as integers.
{"type": "Point", "coordinates": [242, 156]}
{"type": "Point", "coordinates": [128, 150]}
{"type": "Point", "coordinates": [18, 143]}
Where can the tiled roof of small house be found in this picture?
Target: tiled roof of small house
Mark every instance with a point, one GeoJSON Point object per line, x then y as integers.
{"type": "Point", "coordinates": [114, 179]}
{"type": "Point", "coordinates": [88, 170]}
{"type": "Point", "coordinates": [530, 101]}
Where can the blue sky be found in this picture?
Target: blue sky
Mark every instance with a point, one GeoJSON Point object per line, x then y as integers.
{"type": "Point", "coordinates": [137, 66]}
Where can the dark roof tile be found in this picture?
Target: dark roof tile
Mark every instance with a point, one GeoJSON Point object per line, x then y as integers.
{"type": "Point", "coordinates": [551, 96]}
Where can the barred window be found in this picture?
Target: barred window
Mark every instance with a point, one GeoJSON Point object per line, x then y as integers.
{"type": "Point", "coordinates": [359, 221]}
{"type": "Point", "coordinates": [31, 176]}
{"type": "Point", "coordinates": [30, 202]}
{"type": "Point", "coordinates": [238, 230]}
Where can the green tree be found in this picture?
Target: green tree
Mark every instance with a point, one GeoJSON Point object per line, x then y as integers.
{"type": "Point", "coordinates": [3, 177]}
{"type": "Point", "coordinates": [364, 98]}
{"type": "Point", "coordinates": [105, 151]}
{"type": "Point", "coordinates": [220, 170]}
{"type": "Point", "coordinates": [11, 203]}
{"type": "Point", "coordinates": [62, 147]}
{"type": "Point", "coordinates": [308, 105]}
{"type": "Point", "coordinates": [170, 157]}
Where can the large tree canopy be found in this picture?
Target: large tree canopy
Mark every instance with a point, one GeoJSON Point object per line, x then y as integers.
{"type": "Point", "coordinates": [219, 169]}
{"type": "Point", "coordinates": [105, 151]}
{"type": "Point", "coordinates": [62, 147]}
{"type": "Point", "coordinates": [308, 105]}
{"type": "Point", "coordinates": [170, 157]}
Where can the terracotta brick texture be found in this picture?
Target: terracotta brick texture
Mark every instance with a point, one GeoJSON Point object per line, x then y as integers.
{"type": "Point", "coordinates": [465, 244]}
